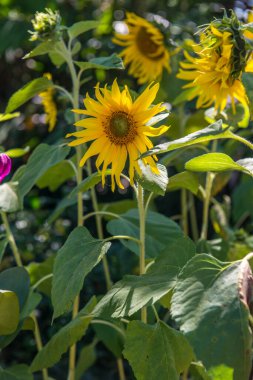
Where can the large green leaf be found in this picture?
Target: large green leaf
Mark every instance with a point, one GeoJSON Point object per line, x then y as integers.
{"type": "Point", "coordinates": [209, 304]}
{"type": "Point", "coordinates": [9, 312]}
{"type": "Point", "coordinates": [184, 180]}
{"type": "Point", "coordinates": [43, 48]}
{"type": "Point", "coordinates": [42, 158]}
{"type": "Point", "coordinates": [16, 372]}
{"type": "Point", "coordinates": [81, 27]}
{"type": "Point", "coordinates": [219, 162]}
{"type": "Point", "coordinates": [9, 197]}
{"type": "Point", "coordinates": [86, 359]}
{"type": "Point", "coordinates": [56, 175]}
{"type": "Point", "coordinates": [134, 292]}
{"type": "Point", "coordinates": [156, 351]}
{"type": "Point", "coordinates": [112, 333]}
{"type": "Point", "coordinates": [212, 132]}
{"type": "Point", "coordinates": [105, 63]}
{"type": "Point", "coordinates": [79, 255]}
{"type": "Point", "coordinates": [27, 92]}
{"type": "Point", "coordinates": [160, 231]}
{"type": "Point", "coordinates": [68, 335]}
{"type": "Point", "coordinates": [155, 183]}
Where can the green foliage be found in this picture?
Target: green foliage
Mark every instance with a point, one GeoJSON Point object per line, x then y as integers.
{"type": "Point", "coordinates": [63, 339]}
{"type": "Point", "coordinates": [184, 180]}
{"type": "Point", "coordinates": [42, 158]}
{"type": "Point", "coordinates": [16, 372]}
{"type": "Point", "coordinates": [27, 92]}
{"type": "Point", "coordinates": [219, 162]}
{"type": "Point", "coordinates": [9, 312]}
{"type": "Point", "coordinates": [160, 231]}
{"type": "Point", "coordinates": [81, 27]}
{"type": "Point", "coordinates": [215, 332]}
{"type": "Point", "coordinates": [79, 255]}
{"type": "Point", "coordinates": [156, 349]}
{"type": "Point", "coordinates": [155, 183]}
{"type": "Point", "coordinates": [105, 63]}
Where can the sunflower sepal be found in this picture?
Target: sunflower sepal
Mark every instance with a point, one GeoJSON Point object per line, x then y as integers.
{"type": "Point", "coordinates": [155, 182]}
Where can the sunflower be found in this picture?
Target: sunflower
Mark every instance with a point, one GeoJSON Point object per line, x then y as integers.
{"type": "Point", "coordinates": [120, 129]}
{"type": "Point", "coordinates": [215, 71]}
{"type": "Point", "coordinates": [49, 104]}
{"type": "Point", "coordinates": [249, 34]}
{"type": "Point", "coordinates": [145, 51]}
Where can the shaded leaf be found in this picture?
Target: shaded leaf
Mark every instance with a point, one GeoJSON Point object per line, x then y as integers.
{"type": "Point", "coordinates": [68, 335]}
{"type": "Point", "coordinates": [56, 175]}
{"type": "Point", "coordinates": [105, 63]}
{"type": "Point", "coordinates": [42, 158]}
{"type": "Point", "coordinates": [78, 256]}
{"type": "Point", "coordinates": [209, 305]}
{"type": "Point", "coordinates": [9, 312]}
{"type": "Point", "coordinates": [160, 231]}
{"type": "Point", "coordinates": [184, 180]}
{"type": "Point", "coordinates": [156, 349]}
{"type": "Point", "coordinates": [16, 372]}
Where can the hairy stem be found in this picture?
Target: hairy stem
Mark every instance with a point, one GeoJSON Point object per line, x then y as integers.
{"type": "Point", "coordinates": [209, 183]}
{"type": "Point", "coordinates": [142, 241]}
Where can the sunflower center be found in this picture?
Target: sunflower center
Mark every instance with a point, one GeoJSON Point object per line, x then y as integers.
{"type": "Point", "coordinates": [146, 45]}
{"type": "Point", "coordinates": [120, 128]}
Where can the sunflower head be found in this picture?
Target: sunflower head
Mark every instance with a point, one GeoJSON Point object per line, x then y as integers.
{"type": "Point", "coordinates": [216, 69]}
{"type": "Point", "coordinates": [144, 49]}
{"type": "Point", "coordinates": [117, 127]}
{"type": "Point", "coordinates": [229, 27]}
{"type": "Point", "coordinates": [46, 25]}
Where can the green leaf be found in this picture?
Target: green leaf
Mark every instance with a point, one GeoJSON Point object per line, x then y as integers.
{"type": "Point", "coordinates": [27, 92]}
{"type": "Point", "coordinates": [9, 116]}
{"type": "Point", "coordinates": [160, 231]}
{"type": "Point", "coordinates": [81, 27]}
{"type": "Point", "coordinates": [87, 358]}
{"type": "Point", "coordinates": [209, 304]}
{"type": "Point", "coordinates": [242, 199]}
{"type": "Point", "coordinates": [38, 271]}
{"type": "Point", "coordinates": [16, 372]}
{"type": "Point", "coordinates": [134, 292]}
{"type": "Point", "coordinates": [79, 255]}
{"type": "Point", "coordinates": [17, 152]}
{"type": "Point", "coordinates": [155, 183]}
{"type": "Point", "coordinates": [56, 175]}
{"type": "Point", "coordinates": [184, 180]}
{"type": "Point", "coordinates": [157, 349]}
{"type": "Point", "coordinates": [105, 63]}
{"type": "Point", "coordinates": [3, 245]}
{"type": "Point", "coordinates": [212, 132]}
{"type": "Point", "coordinates": [219, 162]}
{"type": "Point", "coordinates": [68, 335]}
{"type": "Point", "coordinates": [43, 48]}
{"type": "Point", "coordinates": [42, 158]}
{"type": "Point", "coordinates": [112, 333]}
{"type": "Point", "coordinates": [221, 372]}
{"type": "Point", "coordinates": [9, 312]}
{"type": "Point", "coordinates": [9, 197]}
{"type": "Point", "coordinates": [247, 80]}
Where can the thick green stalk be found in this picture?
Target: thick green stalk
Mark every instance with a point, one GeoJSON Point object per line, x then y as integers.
{"type": "Point", "coordinates": [193, 218]}
{"type": "Point", "coordinates": [184, 217]}
{"type": "Point", "coordinates": [209, 183]}
{"type": "Point", "coordinates": [142, 241]}
{"type": "Point", "coordinates": [19, 263]}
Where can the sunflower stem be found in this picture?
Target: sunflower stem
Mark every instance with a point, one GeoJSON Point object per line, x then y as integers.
{"type": "Point", "coordinates": [75, 94]}
{"type": "Point", "coordinates": [17, 257]}
{"type": "Point", "coordinates": [142, 241]}
{"type": "Point", "coordinates": [184, 217]}
{"type": "Point", "coordinates": [209, 183]}
{"type": "Point", "coordinates": [193, 218]}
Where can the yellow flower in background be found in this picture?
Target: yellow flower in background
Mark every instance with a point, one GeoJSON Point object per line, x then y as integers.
{"type": "Point", "coordinates": [216, 69]}
{"type": "Point", "coordinates": [248, 34]}
{"type": "Point", "coordinates": [145, 52]}
{"type": "Point", "coordinates": [117, 125]}
{"type": "Point", "coordinates": [47, 98]}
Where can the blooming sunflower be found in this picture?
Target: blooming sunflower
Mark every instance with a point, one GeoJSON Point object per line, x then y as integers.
{"type": "Point", "coordinates": [118, 127]}
{"type": "Point", "coordinates": [145, 51]}
{"type": "Point", "coordinates": [215, 72]}
{"type": "Point", "coordinates": [49, 105]}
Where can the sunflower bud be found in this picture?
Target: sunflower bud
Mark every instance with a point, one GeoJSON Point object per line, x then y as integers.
{"type": "Point", "coordinates": [46, 25]}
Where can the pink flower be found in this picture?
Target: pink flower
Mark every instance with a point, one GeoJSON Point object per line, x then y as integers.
{"type": "Point", "coordinates": [5, 166]}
